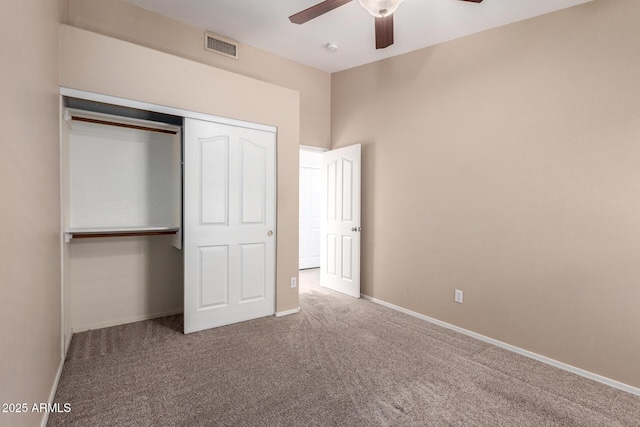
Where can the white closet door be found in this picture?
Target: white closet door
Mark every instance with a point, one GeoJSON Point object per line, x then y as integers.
{"type": "Point", "coordinates": [229, 224]}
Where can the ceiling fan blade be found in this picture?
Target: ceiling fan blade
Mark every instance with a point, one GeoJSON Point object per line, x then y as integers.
{"type": "Point", "coordinates": [317, 10]}
{"type": "Point", "coordinates": [384, 32]}
{"type": "Point", "coordinates": [474, 1]}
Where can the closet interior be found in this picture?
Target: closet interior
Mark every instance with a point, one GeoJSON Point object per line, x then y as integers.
{"type": "Point", "coordinates": [122, 213]}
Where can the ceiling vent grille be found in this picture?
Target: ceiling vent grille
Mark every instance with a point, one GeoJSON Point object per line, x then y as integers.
{"type": "Point", "coordinates": [221, 45]}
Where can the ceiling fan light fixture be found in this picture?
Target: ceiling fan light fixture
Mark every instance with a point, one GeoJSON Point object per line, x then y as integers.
{"type": "Point", "coordinates": [380, 8]}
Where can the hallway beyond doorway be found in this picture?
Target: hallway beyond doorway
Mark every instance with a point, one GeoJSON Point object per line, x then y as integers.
{"type": "Point", "coordinates": [309, 279]}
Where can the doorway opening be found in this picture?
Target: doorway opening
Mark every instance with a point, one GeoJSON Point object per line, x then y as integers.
{"type": "Point", "coordinates": [310, 216]}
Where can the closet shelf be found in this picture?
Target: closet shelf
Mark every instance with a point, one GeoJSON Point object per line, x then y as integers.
{"type": "Point", "coordinates": [86, 232]}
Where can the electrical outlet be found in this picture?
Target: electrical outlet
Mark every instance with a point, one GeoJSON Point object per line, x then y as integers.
{"type": "Point", "coordinates": [294, 282]}
{"type": "Point", "coordinates": [458, 296]}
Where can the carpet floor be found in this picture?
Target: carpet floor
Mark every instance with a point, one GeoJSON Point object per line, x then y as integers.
{"type": "Point", "coordinates": [339, 362]}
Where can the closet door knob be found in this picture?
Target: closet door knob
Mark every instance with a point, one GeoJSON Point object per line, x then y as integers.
{"type": "Point", "coordinates": [269, 233]}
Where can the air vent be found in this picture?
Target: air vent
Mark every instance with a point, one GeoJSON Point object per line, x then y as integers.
{"type": "Point", "coordinates": [221, 45]}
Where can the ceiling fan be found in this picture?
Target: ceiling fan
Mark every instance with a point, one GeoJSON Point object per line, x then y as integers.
{"type": "Point", "coordinates": [382, 10]}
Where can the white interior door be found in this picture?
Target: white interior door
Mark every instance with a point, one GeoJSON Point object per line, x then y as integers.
{"type": "Point", "coordinates": [340, 242]}
{"type": "Point", "coordinates": [229, 224]}
{"type": "Point", "coordinates": [310, 208]}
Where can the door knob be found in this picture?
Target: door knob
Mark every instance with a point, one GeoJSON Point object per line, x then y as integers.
{"type": "Point", "coordinates": [356, 229]}
{"type": "Point", "coordinates": [269, 233]}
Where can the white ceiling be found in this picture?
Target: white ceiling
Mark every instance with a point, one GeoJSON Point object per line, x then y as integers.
{"type": "Point", "coordinates": [418, 23]}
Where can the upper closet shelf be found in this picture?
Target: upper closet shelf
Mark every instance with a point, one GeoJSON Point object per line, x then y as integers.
{"type": "Point", "coordinates": [77, 233]}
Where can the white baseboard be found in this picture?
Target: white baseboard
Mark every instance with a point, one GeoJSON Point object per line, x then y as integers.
{"type": "Point", "coordinates": [523, 352]}
{"type": "Point", "coordinates": [287, 312]}
{"type": "Point", "coordinates": [124, 321]}
{"type": "Point", "coordinates": [52, 394]}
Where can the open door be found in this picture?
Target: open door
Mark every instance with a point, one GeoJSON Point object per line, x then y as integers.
{"type": "Point", "coordinates": [229, 224]}
{"type": "Point", "coordinates": [340, 222]}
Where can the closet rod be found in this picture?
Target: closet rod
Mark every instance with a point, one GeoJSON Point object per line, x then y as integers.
{"type": "Point", "coordinates": [123, 125]}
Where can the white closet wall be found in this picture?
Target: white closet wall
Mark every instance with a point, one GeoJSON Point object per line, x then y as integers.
{"type": "Point", "coordinates": [119, 280]}
{"type": "Point", "coordinates": [120, 177]}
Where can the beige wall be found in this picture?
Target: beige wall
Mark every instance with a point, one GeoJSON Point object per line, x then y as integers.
{"type": "Point", "coordinates": [118, 19]}
{"type": "Point", "coordinates": [30, 351]}
{"type": "Point", "coordinates": [506, 164]}
{"type": "Point", "coordinates": [100, 64]}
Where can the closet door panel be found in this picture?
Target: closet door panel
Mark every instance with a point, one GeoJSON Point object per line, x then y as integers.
{"type": "Point", "coordinates": [215, 180]}
{"type": "Point", "coordinates": [213, 276]}
{"type": "Point", "coordinates": [229, 202]}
